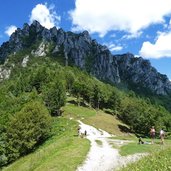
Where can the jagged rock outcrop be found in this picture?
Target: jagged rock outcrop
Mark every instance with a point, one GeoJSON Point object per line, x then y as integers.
{"type": "Point", "coordinates": [4, 73]}
{"type": "Point", "coordinates": [140, 72]}
{"type": "Point", "coordinates": [25, 61]}
{"type": "Point", "coordinates": [80, 50]}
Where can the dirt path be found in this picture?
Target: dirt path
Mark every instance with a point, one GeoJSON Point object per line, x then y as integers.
{"type": "Point", "coordinates": [102, 156]}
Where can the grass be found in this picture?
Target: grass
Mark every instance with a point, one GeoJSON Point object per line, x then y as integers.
{"type": "Point", "coordinates": [134, 147]}
{"type": "Point", "coordinates": [98, 119]}
{"type": "Point", "coordinates": [106, 122]}
{"type": "Point", "coordinates": [78, 112]}
{"type": "Point", "coordinates": [64, 151]}
{"type": "Point", "coordinates": [158, 161]}
{"type": "Point", "coordinates": [99, 142]}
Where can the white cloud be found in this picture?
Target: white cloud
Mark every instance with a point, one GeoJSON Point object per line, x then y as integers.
{"type": "Point", "coordinates": [131, 16]}
{"type": "Point", "coordinates": [45, 15]}
{"type": "Point", "coordinates": [112, 47]}
{"type": "Point", "coordinates": [10, 29]}
{"type": "Point", "coordinates": [161, 47]}
{"type": "Point", "coordinates": [113, 35]}
{"type": "Point", "coordinates": [132, 36]}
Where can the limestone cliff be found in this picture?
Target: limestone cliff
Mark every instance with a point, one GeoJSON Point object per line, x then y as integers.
{"type": "Point", "coordinates": [80, 50]}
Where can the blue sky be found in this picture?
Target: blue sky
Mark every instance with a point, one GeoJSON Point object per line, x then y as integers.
{"type": "Point", "coordinates": [141, 27]}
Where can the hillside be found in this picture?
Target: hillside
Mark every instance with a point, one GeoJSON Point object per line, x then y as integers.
{"type": "Point", "coordinates": [37, 91]}
{"type": "Point", "coordinates": [56, 152]}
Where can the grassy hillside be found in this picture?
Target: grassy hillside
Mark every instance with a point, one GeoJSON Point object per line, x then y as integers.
{"type": "Point", "coordinates": [64, 151]}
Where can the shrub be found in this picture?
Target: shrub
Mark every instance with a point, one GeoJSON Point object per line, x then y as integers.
{"type": "Point", "coordinates": [26, 129]}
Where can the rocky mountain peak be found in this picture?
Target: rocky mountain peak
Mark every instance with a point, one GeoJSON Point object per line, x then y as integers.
{"type": "Point", "coordinates": [80, 50]}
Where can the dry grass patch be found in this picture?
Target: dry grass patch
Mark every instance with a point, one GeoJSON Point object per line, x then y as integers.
{"type": "Point", "coordinates": [107, 122]}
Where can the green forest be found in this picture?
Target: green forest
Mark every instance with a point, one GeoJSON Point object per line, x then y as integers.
{"type": "Point", "coordinates": [33, 95]}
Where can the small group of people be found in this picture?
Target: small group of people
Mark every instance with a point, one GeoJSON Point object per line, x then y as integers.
{"type": "Point", "coordinates": [152, 135]}
{"type": "Point", "coordinates": [81, 133]}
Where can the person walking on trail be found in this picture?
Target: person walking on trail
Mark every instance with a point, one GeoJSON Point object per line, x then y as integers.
{"type": "Point", "coordinates": [162, 135]}
{"type": "Point", "coordinates": [78, 130]}
{"type": "Point", "coordinates": [152, 134]}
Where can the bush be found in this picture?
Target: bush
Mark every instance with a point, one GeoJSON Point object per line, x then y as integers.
{"type": "Point", "coordinates": [26, 129]}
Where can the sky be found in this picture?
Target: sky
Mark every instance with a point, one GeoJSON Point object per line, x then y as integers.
{"type": "Point", "coordinates": [141, 27]}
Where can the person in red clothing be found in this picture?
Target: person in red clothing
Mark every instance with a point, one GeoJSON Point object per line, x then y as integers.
{"type": "Point", "coordinates": [152, 134]}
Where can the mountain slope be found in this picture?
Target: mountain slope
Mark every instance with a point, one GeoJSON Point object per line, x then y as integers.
{"type": "Point", "coordinates": [80, 50]}
{"type": "Point", "coordinates": [43, 81]}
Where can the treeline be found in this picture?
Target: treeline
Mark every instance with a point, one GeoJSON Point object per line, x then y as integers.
{"type": "Point", "coordinates": [35, 93]}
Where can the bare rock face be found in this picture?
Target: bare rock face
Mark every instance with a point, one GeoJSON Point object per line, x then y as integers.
{"type": "Point", "coordinates": [4, 73]}
{"type": "Point", "coordinates": [80, 50]}
{"type": "Point", "coordinates": [40, 51]}
{"type": "Point", "coordinates": [25, 61]}
{"type": "Point", "coordinates": [139, 71]}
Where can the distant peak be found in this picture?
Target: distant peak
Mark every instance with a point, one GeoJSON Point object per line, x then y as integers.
{"type": "Point", "coordinates": [129, 55]}
{"type": "Point", "coordinates": [36, 23]}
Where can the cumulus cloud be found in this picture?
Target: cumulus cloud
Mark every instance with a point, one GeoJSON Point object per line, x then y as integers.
{"type": "Point", "coordinates": [10, 29]}
{"type": "Point", "coordinates": [113, 47]}
{"type": "Point", "coordinates": [131, 16]}
{"type": "Point", "coordinates": [161, 47]}
{"type": "Point", "coordinates": [45, 15]}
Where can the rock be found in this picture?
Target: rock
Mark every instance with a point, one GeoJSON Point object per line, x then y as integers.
{"type": "Point", "coordinates": [41, 51]}
{"type": "Point", "coordinates": [4, 73]}
{"type": "Point", "coordinates": [25, 60]}
{"type": "Point", "coordinates": [140, 72]}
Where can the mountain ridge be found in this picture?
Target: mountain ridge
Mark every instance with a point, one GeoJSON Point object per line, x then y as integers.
{"type": "Point", "coordinates": [86, 53]}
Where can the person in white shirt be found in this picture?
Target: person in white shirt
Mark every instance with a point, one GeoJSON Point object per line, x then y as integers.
{"type": "Point", "coordinates": [162, 135]}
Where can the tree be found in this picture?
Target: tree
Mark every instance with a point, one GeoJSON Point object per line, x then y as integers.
{"type": "Point", "coordinates": [114, 101]}
{"type": "Point", "coordinates": [26, 129]}
{"type": "Point", "coordinates": [70, 78]}
{"type": "Point", "coordinates": [54, 95]}
{"type": "Point", "coordinates": [76, 90]}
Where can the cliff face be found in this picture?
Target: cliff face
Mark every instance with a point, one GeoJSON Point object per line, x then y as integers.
{"type": "Point", "coordinates": [80, 50]}
{"type": "Point", "coordinates": [140, 72]}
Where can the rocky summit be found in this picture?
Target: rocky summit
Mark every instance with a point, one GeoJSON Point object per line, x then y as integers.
{"type": "Point", "coordinates": [82, 51]}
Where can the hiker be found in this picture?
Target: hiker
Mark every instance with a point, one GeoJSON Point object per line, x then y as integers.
{"type": "Point", "coordinates": [85, 133]}
{"type": "Point", "coordinates": [78, 130]}
{"type": "Point", "coordinates": [152, 134]}
{"type": "Point", "coordinates": [140, 141]}
{"type": "Point", "coordinates": [162, 135]}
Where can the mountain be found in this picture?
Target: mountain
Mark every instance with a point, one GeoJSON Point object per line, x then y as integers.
{"type": "Point", "coordinates": [82, 51]}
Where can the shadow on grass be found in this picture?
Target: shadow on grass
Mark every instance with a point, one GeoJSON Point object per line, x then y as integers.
{"type": "Point", "coordinates": [109, 112]}
{"type": "Point", "coordinates": [76, 103]}
{"type": "Point", "coordinates": [124, 128]}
